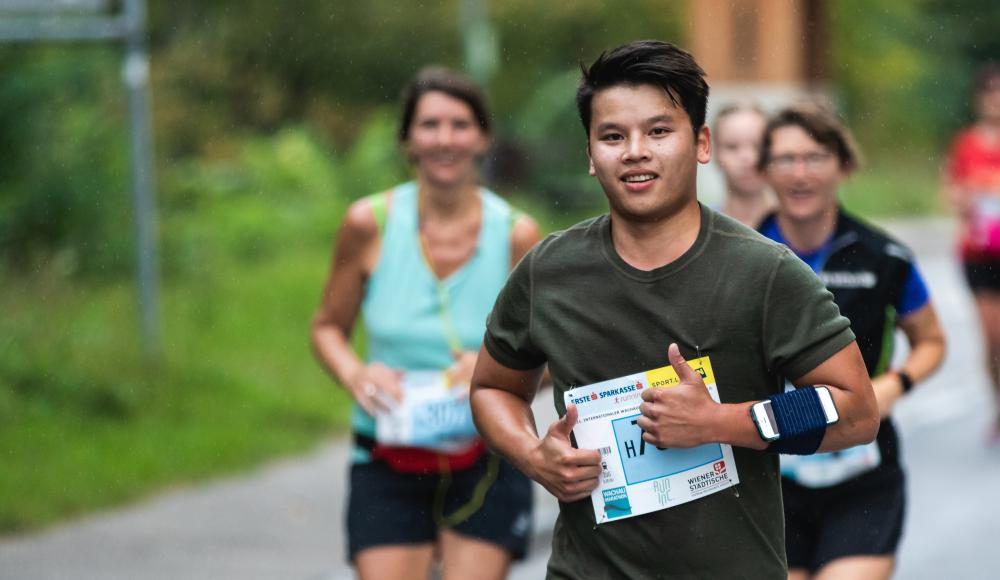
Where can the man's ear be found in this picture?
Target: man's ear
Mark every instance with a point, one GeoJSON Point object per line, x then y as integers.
{"type": "Point", "coordinates": [590, 162]}
{"type": "Point", "coordinates": [703, 143]}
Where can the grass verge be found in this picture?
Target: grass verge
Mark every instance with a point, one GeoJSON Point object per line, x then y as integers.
{"type": "Point", "coordinates": [85, 424]}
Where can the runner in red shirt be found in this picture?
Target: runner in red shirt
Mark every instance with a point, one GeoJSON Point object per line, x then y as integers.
{"type": "Point", "coordinates": [972, 187]}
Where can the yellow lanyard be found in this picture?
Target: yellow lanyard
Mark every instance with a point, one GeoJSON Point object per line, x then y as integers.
{"type": "Point", "coordinates": [444, 311]}
{"type": "Point", "coordinates": [493, 466]}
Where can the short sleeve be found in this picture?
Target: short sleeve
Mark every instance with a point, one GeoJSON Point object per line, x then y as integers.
{"type": "Point", "coordinates": [508, 327]}
{"type": "Point", "coordinates": [802, 324]}
{"type": "Point", "coordinates": [914, 294]}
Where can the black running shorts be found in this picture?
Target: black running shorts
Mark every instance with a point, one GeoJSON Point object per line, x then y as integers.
{"type": "Point", "coordinates": [387, 508]}
{"type": "Point", "coordinates": [983, 276]}
{"type": "Point", "coordinates": [845, 520]}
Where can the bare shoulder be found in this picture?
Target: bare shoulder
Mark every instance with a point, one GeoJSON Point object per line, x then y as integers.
{"type": "Point", "coordinates": [358, 237]}
{"type": "Point", "coordinates": [359, 221]}
{"type": "Point", "coordinates": [524, 234]}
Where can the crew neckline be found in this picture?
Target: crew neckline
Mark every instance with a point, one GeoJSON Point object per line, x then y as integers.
{"type": "Point", "coordinates": [689, 256]}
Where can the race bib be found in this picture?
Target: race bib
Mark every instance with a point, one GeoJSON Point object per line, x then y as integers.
{"type": "Point", "coordinates": [637, 477]}
{"type": "Point", "coordinates": [828, 469]}
{"type": "Point", "coordinates": [431, 415]}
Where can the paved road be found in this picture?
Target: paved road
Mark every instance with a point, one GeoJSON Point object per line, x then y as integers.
{"type": "Point", "coordinates": [284, 521]}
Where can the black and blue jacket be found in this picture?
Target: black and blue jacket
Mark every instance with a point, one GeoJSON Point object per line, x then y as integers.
{"type": "Point", "coordinates": [874, 281]}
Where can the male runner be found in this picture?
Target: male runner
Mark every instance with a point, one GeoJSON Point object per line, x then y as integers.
{"type": "Point", "coordinates": [606, 297]}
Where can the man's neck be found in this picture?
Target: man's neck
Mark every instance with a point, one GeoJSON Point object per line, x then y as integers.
{"type": "Point", "coordinates": [805, 236]}
{"type": "Point", "coordinates": [650, 245]}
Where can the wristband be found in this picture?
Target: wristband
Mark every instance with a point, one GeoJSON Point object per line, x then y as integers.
{"type": "Point", "coordinates": [801, 422]}
{"type": "Point", "coordinates": [905, 380]}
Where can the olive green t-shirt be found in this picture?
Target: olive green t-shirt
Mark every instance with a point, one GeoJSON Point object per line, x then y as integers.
{"type": "Point", "coordinates": [748, 303]}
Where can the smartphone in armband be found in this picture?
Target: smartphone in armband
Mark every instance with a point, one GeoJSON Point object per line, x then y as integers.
{"type": "Point", "coordinates": [829, 409]}
{"type": "Point", "coordinates": [763, 418]}
{"type": "Point", "coordinates": [762, 414]}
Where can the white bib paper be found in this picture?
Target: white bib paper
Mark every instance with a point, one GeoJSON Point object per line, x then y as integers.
{"type": "Point", "coordinates": [638, 478]}
{"type": "Point", "coordinates": [827, 469]}
{"type": "Point", "coordinates": [431, 415]}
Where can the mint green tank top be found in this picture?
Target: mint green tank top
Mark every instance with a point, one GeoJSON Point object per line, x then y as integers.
{"type": "Point", "coordinates": [402, 309]}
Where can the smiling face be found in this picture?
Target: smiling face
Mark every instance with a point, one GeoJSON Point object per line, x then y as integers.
{"type": "Point", "coordinates": [737, 145]}
{"type": "Point", "coordinates": [445, 142]}
{"type": "Point", "coordinates": [643, 151]}
{"type": "Point", "coordinates": [804, 174]}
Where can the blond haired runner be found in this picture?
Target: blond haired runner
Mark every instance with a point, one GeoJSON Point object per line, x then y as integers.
{"type": "Point", "coordinates": [736, 135]}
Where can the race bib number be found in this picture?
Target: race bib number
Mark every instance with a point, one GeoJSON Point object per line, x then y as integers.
{"type": "Point", "coordinates": [431, 415]}
{"type": "Point", "coordinates": [637, 477]}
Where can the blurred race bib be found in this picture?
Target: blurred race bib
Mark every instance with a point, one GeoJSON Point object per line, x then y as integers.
{"type": "Point", "coordinates": [828, 469]}
{"type": "Point", "coordinates": [432, 415]}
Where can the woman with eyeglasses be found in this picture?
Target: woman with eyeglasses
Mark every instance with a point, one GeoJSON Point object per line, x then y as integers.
{"type": "Point", "coordinates": [844, 510]}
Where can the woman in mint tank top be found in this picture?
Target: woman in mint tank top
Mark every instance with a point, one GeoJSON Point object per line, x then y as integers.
{"type": "Point", "coordinates": [422, 264]}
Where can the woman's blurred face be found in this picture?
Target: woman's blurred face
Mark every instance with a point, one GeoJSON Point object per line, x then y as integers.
{"type": "Point", "coordinates": [988, 101]}
{"type": "Point", "coordinates": [804, 174]}
{"type": "Point", "coordinates": [445, 140]}
{"type": "Point", "coordinates": [737, 145]}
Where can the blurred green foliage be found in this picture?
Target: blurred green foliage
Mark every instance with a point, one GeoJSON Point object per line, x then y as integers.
{"type": "Point", "coordinates": [904, 69]}
{"type": "Point", "coordinates": [62, 188]}
{"type": "Point", "coordinates": [270, 118]}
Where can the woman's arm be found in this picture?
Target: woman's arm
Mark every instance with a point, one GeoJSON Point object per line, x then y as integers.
{"type": "Point", "coordinates": [927, 348]}
{"type": "Point", "coordinates": [354, 258]}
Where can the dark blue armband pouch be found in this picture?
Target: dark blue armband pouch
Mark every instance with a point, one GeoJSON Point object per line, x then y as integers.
{"type": "Point", "coordinates": [801, 421]}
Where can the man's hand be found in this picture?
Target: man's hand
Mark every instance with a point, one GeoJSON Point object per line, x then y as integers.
{"type": "Point", "coordinates": [678, 416]}
{"type": "Point", "coordinates": [569, 474]}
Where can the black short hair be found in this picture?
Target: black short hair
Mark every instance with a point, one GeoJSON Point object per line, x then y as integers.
{"type": "Point", "coordinates": [442, 80]}
{"type": "Point", "coordinates": [646, 62]}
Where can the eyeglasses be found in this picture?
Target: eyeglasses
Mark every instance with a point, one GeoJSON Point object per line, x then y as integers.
{"type": "Point", "coordinates": [812, 161]}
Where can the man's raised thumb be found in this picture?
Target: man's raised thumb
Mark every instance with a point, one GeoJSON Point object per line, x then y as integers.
{"type": "Point", "coordinates": [684, 371]}
{"type": "Point", "coordinates": [564, 426]}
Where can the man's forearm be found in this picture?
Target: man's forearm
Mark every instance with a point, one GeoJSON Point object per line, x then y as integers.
{"type": "Point", "coordinates": [506, 423]}
{"type": "Point", "coordinates": [734, 426]}
{"type": "Point", "coordinates": [858, 423]}
{"type": "Point", "coordinates": [845, 376]}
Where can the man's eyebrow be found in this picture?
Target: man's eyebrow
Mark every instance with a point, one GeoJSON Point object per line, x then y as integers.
{"type": "Point", "coordinates": [607, 126]}
{"type": "Point", "coordinates": [660, 119]}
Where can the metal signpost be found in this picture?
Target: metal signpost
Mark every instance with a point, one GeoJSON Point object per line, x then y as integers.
{"type": "Point", "coordinates": [94, 20]}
